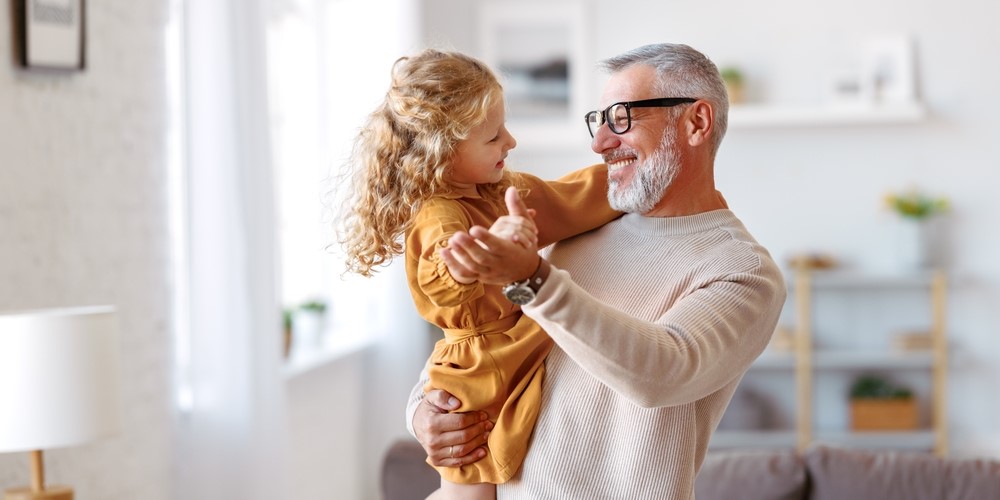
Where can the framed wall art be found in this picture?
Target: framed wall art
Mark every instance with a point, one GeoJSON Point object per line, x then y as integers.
{"type": "Point", "coordinates": [889, 69]}
{"type": "Point", "coordinates": [540, 53]}
{"type": "Point", "coordinates": [51, 33]}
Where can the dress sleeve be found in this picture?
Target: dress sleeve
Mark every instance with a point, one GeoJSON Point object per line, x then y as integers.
{"type": "Point", "coordinates": [436, 223]}
{"type": "Point", "coordinates": [570, 205]}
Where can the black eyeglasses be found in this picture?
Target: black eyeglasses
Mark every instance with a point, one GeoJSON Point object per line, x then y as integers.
{"type": "Point", "coordinates": [618, 116]}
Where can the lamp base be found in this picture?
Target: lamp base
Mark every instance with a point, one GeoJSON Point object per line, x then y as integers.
{"type": "Point", "coordinates": [50, 493]}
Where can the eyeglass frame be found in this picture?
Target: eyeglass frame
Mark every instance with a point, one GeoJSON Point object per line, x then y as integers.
{"type": "Point", "coordinates": [662, 102]}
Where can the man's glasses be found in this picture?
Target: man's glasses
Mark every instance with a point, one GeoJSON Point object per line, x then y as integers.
{"type": "Point", "coordinates": [618, 116]}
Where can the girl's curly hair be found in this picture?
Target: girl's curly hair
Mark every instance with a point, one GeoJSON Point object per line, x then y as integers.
{"type": "Point", "coordinates": [403, 153]}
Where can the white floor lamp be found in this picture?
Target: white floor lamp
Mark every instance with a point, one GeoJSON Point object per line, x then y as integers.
{"type": "Point", "coordinates": [59, 386]}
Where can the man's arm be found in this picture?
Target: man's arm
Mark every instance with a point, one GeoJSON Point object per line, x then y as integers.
{"type": "Point", "coordinates": [700, 343]}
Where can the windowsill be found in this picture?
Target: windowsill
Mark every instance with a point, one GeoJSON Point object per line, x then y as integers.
{"type": "Point", "coordinates": [303, 361]}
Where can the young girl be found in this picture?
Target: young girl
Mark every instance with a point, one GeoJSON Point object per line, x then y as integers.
{"type": "Point", "coordinates": [430, 162]}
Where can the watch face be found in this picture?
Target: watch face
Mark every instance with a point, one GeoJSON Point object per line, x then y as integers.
{"type": "Point", "coordinates": [519, 293]}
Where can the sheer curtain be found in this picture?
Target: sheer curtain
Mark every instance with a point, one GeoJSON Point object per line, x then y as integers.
{"type": "Point", "coordinates": [231, 423]}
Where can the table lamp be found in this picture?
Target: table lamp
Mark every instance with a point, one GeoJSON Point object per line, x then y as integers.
{"type": "Point", "coordinates": [59, 385]}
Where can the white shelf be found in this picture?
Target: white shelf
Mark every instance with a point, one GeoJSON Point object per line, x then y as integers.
{"type": "Point", "coordinates": [771, 360]}
{"type": "Point", "coordinates": [847, 360]}
{"type": "Point", "coordinates": [914, 440]}
{"type": "Point", "coordinates": [857, 280]}
{"type": "Point", "coordinates": [303, 361]}
{"type": "Point", "coordinates": [857, 359]}
{"type": "Point", "coordinates": [760, 115]}
{"type": "Point", "coordinates": [723, 439]}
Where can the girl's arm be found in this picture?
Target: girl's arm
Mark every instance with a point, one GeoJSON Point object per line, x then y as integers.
{"type": "Point", "coordinates": [437, 221]}
{"type": "Point", "coordinates": [571, 205]}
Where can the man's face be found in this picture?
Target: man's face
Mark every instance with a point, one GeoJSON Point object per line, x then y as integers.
{"type": "Point", "coordinates": [643, 161]}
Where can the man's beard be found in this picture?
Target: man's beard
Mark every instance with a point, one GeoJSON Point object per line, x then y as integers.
{"type": "Point", "coordinates": [650, 180]}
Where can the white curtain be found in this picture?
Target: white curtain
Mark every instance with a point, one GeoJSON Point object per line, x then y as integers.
{"type": "Point", "coordinates": [231, 417]}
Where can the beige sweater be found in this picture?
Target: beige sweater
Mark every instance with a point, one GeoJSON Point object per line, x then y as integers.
{"type": "Point", "coordinates": [655, 321]}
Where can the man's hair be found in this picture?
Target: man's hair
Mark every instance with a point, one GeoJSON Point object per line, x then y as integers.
{"type": "Point", "coordinates": [681, 72]}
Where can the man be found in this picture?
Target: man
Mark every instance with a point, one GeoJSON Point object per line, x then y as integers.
{"type": "Point", "coordinates": [656, 316]}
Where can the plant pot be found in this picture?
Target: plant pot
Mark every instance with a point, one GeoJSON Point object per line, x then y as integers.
{"type": "Point", "coordinates": [898, 414]}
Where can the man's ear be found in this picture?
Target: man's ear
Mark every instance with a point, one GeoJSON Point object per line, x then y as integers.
{"type": "Point", "coordinates": [699, 122]}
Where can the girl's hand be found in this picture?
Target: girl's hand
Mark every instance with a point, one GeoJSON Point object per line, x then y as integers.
{"type": "Point", "coordinates": [516, 228]}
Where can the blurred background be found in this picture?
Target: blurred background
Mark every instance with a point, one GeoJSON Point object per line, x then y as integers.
{"type": "Point", "coordinates": [184, 173]}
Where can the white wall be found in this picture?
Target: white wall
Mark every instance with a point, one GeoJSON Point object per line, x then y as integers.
{"type": "Point", "coordinates": [83, 221]}
{"type": "Point", "coordinates": [820, 188]}
{"type": "Point", "coordinates": [83, 210]}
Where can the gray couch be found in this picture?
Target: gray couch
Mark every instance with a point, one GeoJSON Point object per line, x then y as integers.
{"type": "Point", "coordinates": [820, 473]}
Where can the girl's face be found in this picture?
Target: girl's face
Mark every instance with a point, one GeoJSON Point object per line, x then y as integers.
{"type": "Point", "coordinates": [479, 159]}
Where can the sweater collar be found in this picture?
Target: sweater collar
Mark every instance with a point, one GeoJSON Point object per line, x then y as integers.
{"type": "Point", "coordinates": [687, 224]}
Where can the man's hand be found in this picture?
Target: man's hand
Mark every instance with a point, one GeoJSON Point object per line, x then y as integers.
{"type": "Point", "coordinates": [490, 258]}
{"type": "Point", "coordinates": [450, 439]}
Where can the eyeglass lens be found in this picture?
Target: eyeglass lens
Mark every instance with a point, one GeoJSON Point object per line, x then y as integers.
{"type": "Point", "coordinates": [617, 116]}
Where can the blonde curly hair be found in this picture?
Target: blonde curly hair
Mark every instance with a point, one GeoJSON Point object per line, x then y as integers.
{"type": "Point", "coordinates": [403, 153]}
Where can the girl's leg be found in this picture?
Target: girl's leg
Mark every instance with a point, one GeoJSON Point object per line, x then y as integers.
{"type": "Point", "coordinates": [455, 491]}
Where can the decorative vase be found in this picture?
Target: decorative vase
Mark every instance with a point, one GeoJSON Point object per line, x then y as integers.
{"type": "Point", "coordinates": [914, 244]}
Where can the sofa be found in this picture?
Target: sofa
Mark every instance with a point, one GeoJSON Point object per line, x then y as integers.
{"type": "Point", "coordinates": [820, 473]}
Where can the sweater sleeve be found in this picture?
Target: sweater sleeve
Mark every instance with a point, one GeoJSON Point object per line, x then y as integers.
{"type": "Point", "coordinates": [575, 203]}
{"type": "Point", "coordinates": [416, 396]}
{"type": "Point", "coordinates": [702, 342]}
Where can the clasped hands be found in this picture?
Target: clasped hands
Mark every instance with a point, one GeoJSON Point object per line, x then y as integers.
{"type": "Point", "coordinates": [504, 253]}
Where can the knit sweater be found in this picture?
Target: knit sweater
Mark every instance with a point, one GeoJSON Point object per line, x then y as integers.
{"type": "Point", "coordinates": [655, 322]}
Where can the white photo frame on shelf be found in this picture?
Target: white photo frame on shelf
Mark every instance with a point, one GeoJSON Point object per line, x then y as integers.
{"type": "Point", "coordinates": [52, 34]}
{"type": "Point", "coordinates": [539, 51]}
{"type": "Point", "coordinates": [889, 71]}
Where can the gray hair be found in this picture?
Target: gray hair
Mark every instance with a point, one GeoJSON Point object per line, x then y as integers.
{"type": "Point", "coordinates": [682, 72]}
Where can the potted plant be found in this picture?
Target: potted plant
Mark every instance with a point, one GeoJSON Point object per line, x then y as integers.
{"type": "Point", "coordinates": [878, 405]}
{"type": "Point", "coordinates": [916, 241]}
{"type": "Point", "coordinates": [286, 331]}
{"type": "Point", "coordinates": [915, 204]}
{"type": "Point", "coordinates": [733, 78]}
{"type": "Point", "coordinates": [308, 324]}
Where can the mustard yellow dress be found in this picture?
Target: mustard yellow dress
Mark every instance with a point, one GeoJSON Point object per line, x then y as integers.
{"type": "Point", "coordinates": [491, 356]}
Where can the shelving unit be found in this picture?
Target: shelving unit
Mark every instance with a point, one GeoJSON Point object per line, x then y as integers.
{"type": "Point", "coordinates": [822, 353]}
{"type": "Point", "coordinates": [770, 115]}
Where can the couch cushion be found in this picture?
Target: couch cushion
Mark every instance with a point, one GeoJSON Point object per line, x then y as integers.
{"type": "Point", "coordinates": [839, 473]}
{"type": "Point", "coordinates": [751, 475]}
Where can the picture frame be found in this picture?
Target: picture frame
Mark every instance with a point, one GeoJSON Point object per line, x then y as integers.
{"type": "Point", "coordinates": [51, 34]}
{"type": "Point", "coordinates": [888, 70]}
{"type": "Point", "coordinates": [539, 51]}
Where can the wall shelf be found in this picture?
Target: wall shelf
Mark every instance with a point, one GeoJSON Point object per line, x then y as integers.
{"type": "Point", "coordinates": [725, 439]}
{"type": "Point", "coordinates": [915, 440]}
{"type": "Point", "coordinates": [764, 115]}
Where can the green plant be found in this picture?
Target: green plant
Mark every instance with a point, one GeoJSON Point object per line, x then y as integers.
{"type": "Point", "coordinates": [286, 318]}
{"type": "Point", "coordinates": [914, 204]}
{"type": "Point", "coordinates": [875, 387]}
{"type": "Point", "coordinates": [731, 75]}
{"type": "Point", "coordinates": [315, 305]}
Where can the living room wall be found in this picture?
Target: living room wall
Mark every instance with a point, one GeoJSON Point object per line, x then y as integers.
{"type": "Point", "coordinates": [820, 188]}
{"type": "Point", "coordinates": [83, 217]}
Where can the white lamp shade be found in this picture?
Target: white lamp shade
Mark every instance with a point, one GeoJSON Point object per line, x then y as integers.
{"type": "Point", "coordinates": [59, 377]}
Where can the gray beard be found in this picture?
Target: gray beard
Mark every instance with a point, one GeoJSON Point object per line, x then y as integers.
{"type": "Point", "coordinates": [649, 181]}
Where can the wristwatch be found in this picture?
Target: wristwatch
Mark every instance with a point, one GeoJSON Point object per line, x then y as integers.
{"type": "Point", "coordinates": [523, 292]}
